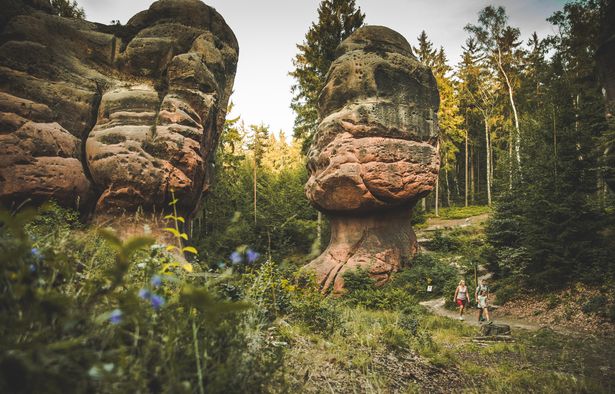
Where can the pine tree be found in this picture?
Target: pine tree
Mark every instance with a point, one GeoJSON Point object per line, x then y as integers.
{"type": "Point", "coordinates": [548, 229]}
{"type": "Point", "coordinates": [425, 51]}
{"type": "Point", "coordinates": [449, 120]}
{"type": "Point", "coordinates": [478, 91]}
{"type": "Point", "coordinates": [337, 19]}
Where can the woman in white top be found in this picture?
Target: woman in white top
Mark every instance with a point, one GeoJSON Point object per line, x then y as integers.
{"type": "Point", "coordinates": [462, 297]}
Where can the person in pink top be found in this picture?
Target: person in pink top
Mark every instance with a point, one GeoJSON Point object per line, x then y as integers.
{"type": "Point", "coordinates": [462, 297]}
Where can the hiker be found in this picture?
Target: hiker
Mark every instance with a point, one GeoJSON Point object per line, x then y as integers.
{"type": "Point", "coordinates": [480, 295]}
{"type": "Point", "coordinates": [462, 297]}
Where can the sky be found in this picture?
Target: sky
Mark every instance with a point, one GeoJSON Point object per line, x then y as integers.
{"type": "Point", "coordinates": [269, 30]}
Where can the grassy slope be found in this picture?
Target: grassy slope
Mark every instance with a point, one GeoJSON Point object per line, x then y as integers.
{"type": "Point", "coordinates": [372, 352]}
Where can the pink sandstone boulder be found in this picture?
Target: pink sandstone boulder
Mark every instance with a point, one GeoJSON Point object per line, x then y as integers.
{"type": "Point", "coordinates": [111, 118]}
{"type": "Point", "coordinates": [374, 155]}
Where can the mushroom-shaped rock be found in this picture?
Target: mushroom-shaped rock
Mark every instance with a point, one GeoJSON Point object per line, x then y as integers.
{"type": "Point", "coordinates": [374, 155]}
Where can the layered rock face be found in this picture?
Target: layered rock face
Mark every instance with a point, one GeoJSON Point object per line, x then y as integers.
{"type": "Point", "coordinates": [374, 154]}
{"type": "Point", "coordinates": [113, 117]}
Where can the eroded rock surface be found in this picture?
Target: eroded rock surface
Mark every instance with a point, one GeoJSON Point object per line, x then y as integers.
{"type": "Point", "coordinates": [374, 154]}
{"type": "Point", "coordinates": [113, 117]}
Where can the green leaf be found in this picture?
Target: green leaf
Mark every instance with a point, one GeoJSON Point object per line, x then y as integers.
{"type": "Point", "coordinates": [135, 243]}
{"type": "Point", "coordinates": [174, 201]}
{"type": "Point", "coordinates": [201, 299]}
{"type": "Point", "coordinates": [171, 247]}
{"type": "Point", "coordinates": [172, 231]}
{"type": "Point", "coordinates": [109, 235]}
{"type": "Point", "coordinates": [173, 217]}
{"type": "Point", "coordinates": [166, 266]}
{"type": "Point", "coordinates": [184, 236]}
{"type": "Point", "coordinates": [190, 249]}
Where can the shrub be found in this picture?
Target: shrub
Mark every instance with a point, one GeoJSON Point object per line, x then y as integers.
{"type": "Point", "coordinates": [444, 243]}
{"type": "Point", "coordinates": [426, 270]}
{"type": "Point", "coordinates": [361, 291]}
{"type": "Point", "coordinates": [316, 312]}
{"type": "Point", "coordinates": [120, 320]}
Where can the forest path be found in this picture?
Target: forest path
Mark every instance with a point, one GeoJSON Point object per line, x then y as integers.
{"type": "Point", "coordinates": [436, 306]}
{"type": "Point", "coordinates": [439, 223]}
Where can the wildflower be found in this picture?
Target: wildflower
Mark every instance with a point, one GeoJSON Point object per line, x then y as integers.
{"type": "Point", "coordinates": [221, 265]}
{"type": "Point", "coordinates": [32, 268]}
{"type": "Point", "coordinates": [115, 317]}
{"type": "Point", "coordinates": [156, 280]}
{"type": "Point", "coordinates": [236, 257]}
{"type": "Point", "coordinates": [252, 256]}
{"type": "Point", "coordinates": [36, 253]}
{"type": "Point", "coordinates": [145, 294]}
{"type": "Point", "coordinates": [157, 301]}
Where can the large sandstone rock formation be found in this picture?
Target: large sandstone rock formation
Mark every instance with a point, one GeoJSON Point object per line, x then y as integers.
{"type": "Point", "coordinates": [112, 117]}
{"type": "Point", "coordinates": [374, 154]}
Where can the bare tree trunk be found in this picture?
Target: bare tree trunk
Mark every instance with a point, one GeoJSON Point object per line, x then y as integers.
{"type": "Point", "coordinates": [514, 108]}
{"type": "Point", "coordinates": [437, 194]}
{"type": "Point", "coordinates": [466, 168]}
{"type": "Point", "coordinates": [472, 182]}
{"type": "Point", "coordinates": [488, 160]}
{"type": "Point", "coordinates": [478, 172]}
{"type": "Point", "coordinates": [448, 188]}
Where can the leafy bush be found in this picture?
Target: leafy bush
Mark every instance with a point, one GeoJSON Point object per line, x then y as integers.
{"type": "Point", "coordinates": [312, 309]}
{"type": "Point", "coordinates": [595, 304]}
{"type": "Point", "coordinates": [443, 243]}
{"type": "Point", "coordinates": [86, 310]}
{"type": "Point", "coordinates": [425, 270]}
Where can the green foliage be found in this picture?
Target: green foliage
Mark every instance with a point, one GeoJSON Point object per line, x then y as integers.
{"type": "Point", "coordinates": [285, 226]}
{"type": "Point", "coordinates": [425, 270]}
{"type": "Point", "coordinates": [68, 9]}
{"type": "Point", "coordinates": [362, 291]}
{"type": "Point", "coordinates": [549, 228]}
{"type": "Point", "coordinates": [443, 243]}
{"type": "Point", "coordinates": [337, 19]}
{"type": "Point", "coordinates": [461, 212]}
{"type": "Point", "coordinates": [507, 290]}
{"type": "Point", "coordinates": [406, 287]}
{"type": "Point", "coordinates": [90, 311]}
{"type": "Point", "coordinates": [309, 307]}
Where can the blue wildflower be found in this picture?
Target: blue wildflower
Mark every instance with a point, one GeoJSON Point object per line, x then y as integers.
{"type": "Point", "coordinates": [115, 317]}
{"type": "Point", "coordinates": [36, 253]}
{"type": "Point", "coordinates": [252, 256]}
{"type": "Point", "coordinates": [157, 301]}
{"type": "Point", "coordinates": [236, 257]}
{"type": "Point", "coordinates": [32, 268]}
{"type": "Point", "coordinates": [221, 265]}
{"type": "Point", "coordinates": [145, 294]}
{"type": "Point", "coordinates": [156, 280]}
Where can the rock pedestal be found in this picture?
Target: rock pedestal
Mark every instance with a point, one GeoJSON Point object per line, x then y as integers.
{"type": "Point", "coordinates": [378, 242]}
{"type": "Point", "coordinates": [374, 154]}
